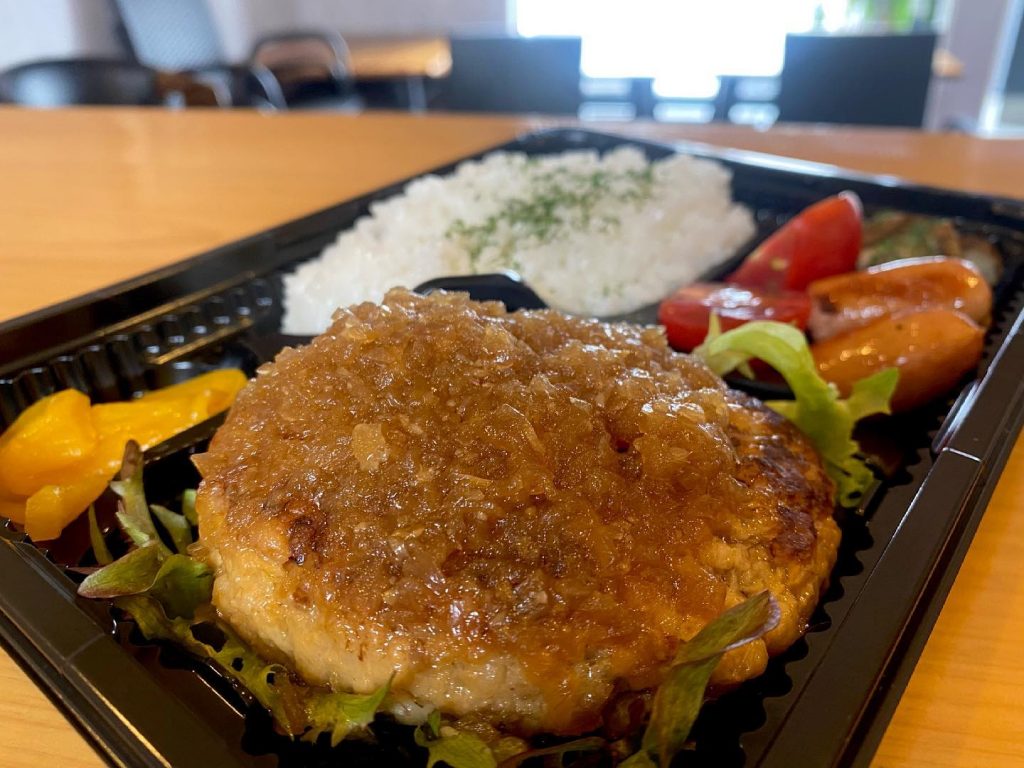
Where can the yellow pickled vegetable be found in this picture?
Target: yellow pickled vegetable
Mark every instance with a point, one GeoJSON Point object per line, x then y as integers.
{"type": "Point", "coordinates": [217, 387]}
{"type": "Point", "coordinates": [52, 508]}
{"type": "Point", "coordinates": [51, 435]}
{"type": "Point", "coordinates": [60, 453]}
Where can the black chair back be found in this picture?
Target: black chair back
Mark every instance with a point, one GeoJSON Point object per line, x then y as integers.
{"type": "Point", "coordinates": [65, 82]}
{"type": "Point", "coordinates": [514, 74]}
{"type": "Point", "coordinates": [170, 35]}
{"type": "Point", "coordinates": [856, 79]}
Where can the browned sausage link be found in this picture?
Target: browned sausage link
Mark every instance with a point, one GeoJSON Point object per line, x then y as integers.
{"type": "Point", "coordinates": [933, 349]}
{"type": "Point", "coordinates": [844, 302]}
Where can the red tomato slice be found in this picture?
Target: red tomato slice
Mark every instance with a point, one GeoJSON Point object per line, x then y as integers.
{"type": "Point", "coordinates": [820, 241]}
{"type": "Point", "coordinates": [686, 313]}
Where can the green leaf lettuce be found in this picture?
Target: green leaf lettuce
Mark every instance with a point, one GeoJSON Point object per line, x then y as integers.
{"type": "Point", "coordinates": [167, 594]}
{"type": "Point", "coordinates": [681, 695]}
{"type": "Point", "coordinates": [816, 409]}
{"type": "Point", "coordinates": [456, 749]}
{"type": "Point", "coordinates": [99, 544]}
{"type": "Point", "coordinates": [341, 714]}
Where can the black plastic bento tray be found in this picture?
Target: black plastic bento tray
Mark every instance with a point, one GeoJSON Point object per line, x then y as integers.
{"type": "Point", "coordinates": [825, 702]}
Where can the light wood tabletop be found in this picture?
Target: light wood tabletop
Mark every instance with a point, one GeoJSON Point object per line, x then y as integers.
{"type": "Point", "coordinates": [92, 196]}
{"type": "Point", "coordinates": [376, 58]}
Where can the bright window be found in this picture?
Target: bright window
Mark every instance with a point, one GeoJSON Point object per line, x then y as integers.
{"type": "Point", "coordinates": [684, 44]}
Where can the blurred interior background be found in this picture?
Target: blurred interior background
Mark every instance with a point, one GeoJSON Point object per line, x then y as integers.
{"type": "Point", "coordinates": [936, 64]}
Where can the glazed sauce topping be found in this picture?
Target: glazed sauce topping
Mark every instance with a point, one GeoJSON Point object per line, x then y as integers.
{"type": "Point", "coordinates": [444, 470]}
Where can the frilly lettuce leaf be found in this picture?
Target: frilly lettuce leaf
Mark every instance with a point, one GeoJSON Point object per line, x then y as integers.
{"type": "Point", "coordinates": [456, 749]}
{"type": "Point", "coordinates": [232, 656]}
{"type": "Point", "coordinates": [132, 511]}
{"type": "Point", "coordinates": [680, 697]}
{"type": "Point", "coordinates": [188, 506]}
{"type": "Point", "coordinates": [817, 409]}
{"type": "Point", "coordinates": [588, 744]}
{"type": "Point", "coordinates": [99, 545]}
{"type": "Point", "coordinates": [132, 574]}
{"type": "Point", "coordinates": [640, 759]}
{"type": "Point", "coordinates": [342, 714]}
{"type": "Point", "coordinates": [179, 583]}
{"type": "Point", "coordinates": [182, 586]}
{"type": "Point", "coordinates": [176, 525]}
{"type": "Point", "coordinates": [167, 594]}
{"type": "Point", "coordinates": [299, 709]}
{"type": "Point", "coordinates": [433, 724]}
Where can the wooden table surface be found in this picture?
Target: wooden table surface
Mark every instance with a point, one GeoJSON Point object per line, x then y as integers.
{"type": "Point", "coordinates": [379, 58]}
{"type": "Point", "coordinates": [88, 197]}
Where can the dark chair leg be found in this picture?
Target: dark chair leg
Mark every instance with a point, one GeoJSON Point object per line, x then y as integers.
{"type": "Point", "coordinates": [725, 99]}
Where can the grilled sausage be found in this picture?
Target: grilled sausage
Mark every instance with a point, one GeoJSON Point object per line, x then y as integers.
{"type": "Point", "coordinates": [933, 349]}
{"type": "Point", "coordinates": [857, 299]}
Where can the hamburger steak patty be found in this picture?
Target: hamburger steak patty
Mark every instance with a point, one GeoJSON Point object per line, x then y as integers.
{"type": "Point", "coordinates": [516, 514]}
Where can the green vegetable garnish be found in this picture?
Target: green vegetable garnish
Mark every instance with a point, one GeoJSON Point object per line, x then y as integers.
{"type": "Point", "coordinates": [179, 583]}
{"type": "Point", "coordinates": [298, 709]}
{"type": "Point", "coordinates": [132, 511]}
{"type": "Point", "coordinates": [817, 409]}
{"type": "Point", "coordinates": [168, 595]}
{"type": "Point", "coordinates": [182, 586]}
{"type": "Point", "coordinates": [345, 713]}
{"type": "Point", "coordinates": [177, 527]}
{"type": "Point", "coordinates": [433, 723]}
{"type": "Point", "coordinates": [639, 760]}
{"type": "Point", "coordinates": [188, 506]}
{"type": "Point", "coordinates": [99, 544]}
{"type": "Point", "coordinates": [589, 744]}
{"type": "Point", "coordinates": [454, 748]}
{"type": "Point", "coordinates": [680, 696]}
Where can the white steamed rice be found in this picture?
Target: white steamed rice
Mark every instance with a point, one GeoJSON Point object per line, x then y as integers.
{"type": "Point", "coordinates": [591, 235]}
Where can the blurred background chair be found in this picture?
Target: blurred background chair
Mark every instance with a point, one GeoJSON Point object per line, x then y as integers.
{"type": "Point", "coordinates": [856, 79]}
{"type": "Point", "coordinates": [673, 63]}
{"type": "Point", "coordinates": [313, 69]}
{"type": "Point", "coordinates": [290, 70]}
{"type": "Point", "coordinates": [66, 82]}
{"type": "Point", "coordinates": [513, 74]}
{"type": "Point", "coordinates": [180, 36]}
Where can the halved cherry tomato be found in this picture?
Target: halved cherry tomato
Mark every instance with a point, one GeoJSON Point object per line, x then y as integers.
{"type": "Point", "coordinates": [820, 241]}
{"type": "Point", "coordinates": [686, 313]}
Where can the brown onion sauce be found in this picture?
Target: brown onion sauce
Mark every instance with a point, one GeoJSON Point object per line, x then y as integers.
{"type": "Point", "coordinates": [525, 482]}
